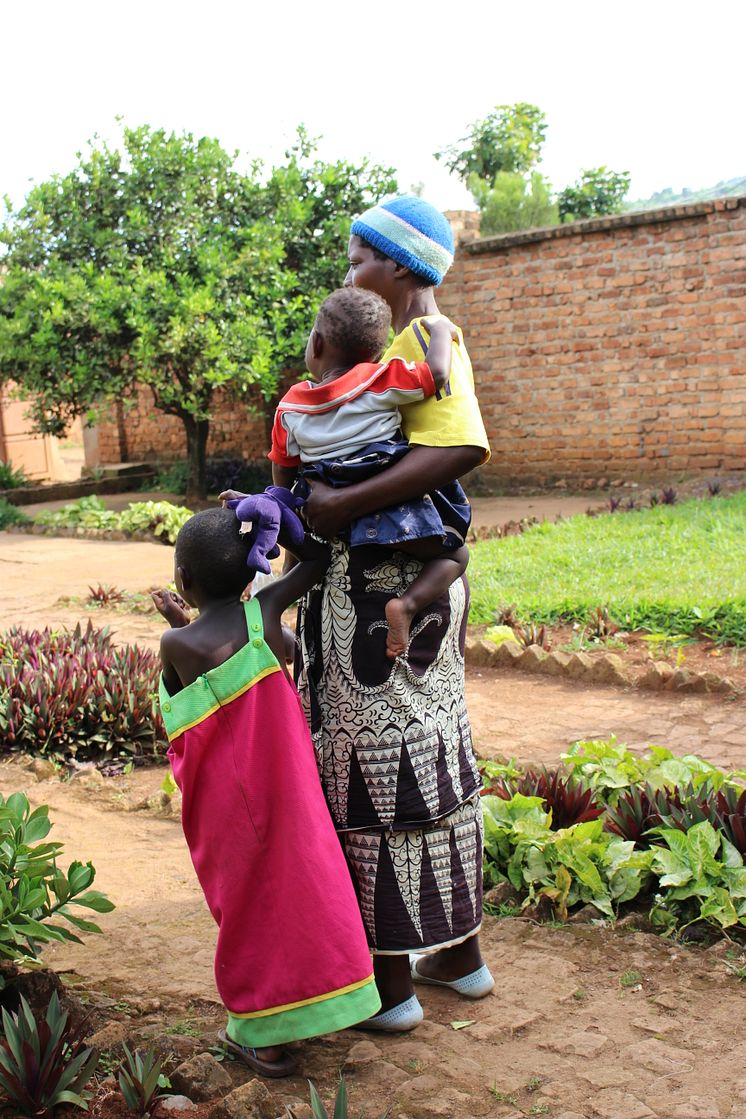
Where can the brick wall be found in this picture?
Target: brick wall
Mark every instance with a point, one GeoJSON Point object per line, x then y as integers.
{"type": "Point", "coordinates": [136, 432]}
{"type": "Point", "coordinates": [610, 348]}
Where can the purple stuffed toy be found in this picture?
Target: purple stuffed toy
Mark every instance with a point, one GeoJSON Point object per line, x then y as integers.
{"type": "Point", "coordinates": [263, 516]}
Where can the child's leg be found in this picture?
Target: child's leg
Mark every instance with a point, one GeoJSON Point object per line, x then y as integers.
{"type": "Point", "coordinates": [434, 580]}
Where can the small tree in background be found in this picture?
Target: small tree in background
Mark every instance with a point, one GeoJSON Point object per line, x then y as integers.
{"type": "Point", "coordinates": [514, 202]}
{"type": "Point", "coordinates": [598, 191]}
{"type": "Point", "coordinates": [510, 139]}
{"type": "Point", "coordinates": [497, 160]}
{"type": "Point", "coordinates": [163, 265]}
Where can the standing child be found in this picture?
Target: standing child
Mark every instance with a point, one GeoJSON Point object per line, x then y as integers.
{"type": "Point", "coordinates": [345, 426]}
{"type": "Point", "coordinates": [291, 960]}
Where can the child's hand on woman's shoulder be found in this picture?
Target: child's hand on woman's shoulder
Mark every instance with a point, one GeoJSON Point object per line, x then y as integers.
{"type": "Point", "coordinates": [441, 324]}
{"type": "Point", "coordinates": [173, 608]}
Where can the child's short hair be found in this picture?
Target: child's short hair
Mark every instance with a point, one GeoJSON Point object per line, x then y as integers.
{"type": "Point", "coordinates": [209, 546]}
{"type": "Point", "coordinates": [356, 322]}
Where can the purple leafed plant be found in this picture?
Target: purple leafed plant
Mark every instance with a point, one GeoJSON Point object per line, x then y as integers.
{"type": "Point", "coordinates": [569, 799]}
{"type": "Point", "coordinates": [72, 692]}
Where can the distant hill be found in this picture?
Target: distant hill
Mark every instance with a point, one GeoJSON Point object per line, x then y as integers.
{"type": "Point", "coordinates": [667, 197]}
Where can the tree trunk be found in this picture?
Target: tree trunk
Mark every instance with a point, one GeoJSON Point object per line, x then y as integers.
{"type": "Point", "coordinates": [196, 437]}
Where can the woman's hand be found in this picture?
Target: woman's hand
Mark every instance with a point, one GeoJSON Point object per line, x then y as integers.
{"type": "Point", "coordinates": [326, 511]}
{"type": "Point", "coordinates": [173, 608]}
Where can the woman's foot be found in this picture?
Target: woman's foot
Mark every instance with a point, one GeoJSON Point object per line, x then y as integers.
{"type": "Point", "coordinates": [399, 616]}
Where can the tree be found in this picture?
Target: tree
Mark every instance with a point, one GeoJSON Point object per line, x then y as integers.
{"type": "Point", "coordinates": [598, 191]}
{"type": "Point", "coordinates": [509, 139]}
{"type": "Point", "coordinates": [514, 202]}
{"type": "Point", "coordinates": [166, 266]}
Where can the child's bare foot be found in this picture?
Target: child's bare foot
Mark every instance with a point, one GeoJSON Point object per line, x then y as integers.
{"type": "Point", "coordinates": [399, 616]}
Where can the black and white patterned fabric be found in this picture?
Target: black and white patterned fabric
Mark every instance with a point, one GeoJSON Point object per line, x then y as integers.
{"type": "Point", "coordinates": [394, 747]}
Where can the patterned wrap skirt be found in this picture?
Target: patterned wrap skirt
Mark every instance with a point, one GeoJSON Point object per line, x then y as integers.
{"type": "Point", "coordinates": [393, 743]}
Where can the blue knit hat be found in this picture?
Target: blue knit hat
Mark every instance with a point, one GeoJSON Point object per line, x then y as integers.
{"type": "Point", "coordinates": [411, 232]}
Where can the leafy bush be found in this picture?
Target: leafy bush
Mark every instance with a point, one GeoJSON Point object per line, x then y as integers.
{"type": "Point", "coordinates": [160, 518]}
{"type": "Point", "coordinates": [33, 890]}
{"type": "Point", "coordinates": [567, 799]}
{"type": "Point", "coordinates": [11, 515]}
{"type": "Point", "coordinates": [672, 569]}
{"type": "Point", "coordinates": [44, 1063]}
{"type": "Point", "coordinates": [676, 825]}
{"type": "Point", "coordinates": [11, 478]}
{"type": "Point", "coordinates": [72, 692]}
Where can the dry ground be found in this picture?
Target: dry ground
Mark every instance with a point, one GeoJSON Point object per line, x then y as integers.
{"type": "Point", "coordinates": [586, 1022]}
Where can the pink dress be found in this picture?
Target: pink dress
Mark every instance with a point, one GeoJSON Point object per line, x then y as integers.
{"type": "Point", "coordinates": [292, 959]}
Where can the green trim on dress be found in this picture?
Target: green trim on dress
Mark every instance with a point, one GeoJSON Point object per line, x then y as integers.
{"type": "Point", "coordinates": [218, 686]}
{"type": "Point", "coordinates": [312, 1019]}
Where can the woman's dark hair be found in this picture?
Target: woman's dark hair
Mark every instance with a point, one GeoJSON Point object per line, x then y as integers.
{"type": "Point", "coordinates": [210, 547]}
{"type": "Point", "coordinates": [356, 322]}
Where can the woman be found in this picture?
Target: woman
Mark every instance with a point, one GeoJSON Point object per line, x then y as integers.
{"type": "Point", "coordinates": [393, 738]}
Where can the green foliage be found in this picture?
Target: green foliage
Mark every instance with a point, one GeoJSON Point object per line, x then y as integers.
{"type": "Point", "coordinates": [509, 139]}
{"type": "Point", "coordinates": [43, 1062]}
{"type": "Point", "coordinates": [673, 824]}
{"type": "Point", "coordinates": [341, 1103]}
{"type": "Point", "coordinates": [11, 477]}
{"type": "Point", "coordinates": [139, 1079]}
{"type": "Point", "coordinates": [598, 191]}
{"type": "Point", "coordinates": [512, 202]}
{"type": "Point", "coordinates": [72, 692]}
{"type": "Point", "coordinates": [674, 569]}
{"type": "Point", "coordinates": [11, 515]}
{"type": "Point", "coordinates": [162, 265]}
{"type": "Point", "coordinates": [702, 878]}
{"type": "Point", "coordinates": [160, 518]}
{"type": "Point", "coordinates": [34, 892]}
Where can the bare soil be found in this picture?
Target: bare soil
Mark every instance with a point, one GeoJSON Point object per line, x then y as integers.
{"type": "Point", "coordinates": [586, 1022]}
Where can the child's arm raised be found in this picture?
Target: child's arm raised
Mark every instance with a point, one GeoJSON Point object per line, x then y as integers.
{"type": "Point", "coordinates": [313, 559]}
{"type": "Point", "coordinates": [442, 334]}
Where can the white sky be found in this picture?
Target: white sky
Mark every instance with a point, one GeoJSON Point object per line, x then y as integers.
{"type": "Point", "coordinates": [652, 88]}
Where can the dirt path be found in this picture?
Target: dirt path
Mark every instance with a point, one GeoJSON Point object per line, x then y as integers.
{"type": "Point", "coordinates": [586, 1022]}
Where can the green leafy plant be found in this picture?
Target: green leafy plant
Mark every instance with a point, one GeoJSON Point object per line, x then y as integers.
{"type": "Point", "coordinates": [34, 892]}
{"type": "Point", "coordinates": [139, 1078]}
{"type": "Point", "coordinates": [341, 1104]}
{"type": "Point", "coordinates": [698, 885]}
{"type": "Point", "coordinates": [11, 515]}
{"type": "Point", "coordinates": [158, 518]}
{"type": "Point", "coordinates": [72, 692]}
{"type": "Point", "coordinates": [12, 477]}
{"type": "Point", "coordinates": [43, 1062]}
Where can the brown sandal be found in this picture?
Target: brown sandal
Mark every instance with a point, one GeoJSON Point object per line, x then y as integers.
{"type": "Point", "coordinates": [273, 1069]}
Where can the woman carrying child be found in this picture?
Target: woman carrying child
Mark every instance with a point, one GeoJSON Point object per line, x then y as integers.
{"type": "Point", "coordinates": [394, 737]}
{"type": "Point", "coordinates": [291, 960]}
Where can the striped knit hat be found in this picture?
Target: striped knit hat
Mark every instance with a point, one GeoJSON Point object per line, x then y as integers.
{"type": "Point", "coordinates": [411, 232]}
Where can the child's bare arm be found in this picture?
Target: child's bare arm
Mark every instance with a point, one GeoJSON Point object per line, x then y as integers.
{"type": "Point", "coordinates": [442, 334]}
{"type": "Point", "coordinates": [283, 475]}
{"type": "Point", "coordinates": [312, 562]}
{"type": "Point", "coordinates": [171, 678]}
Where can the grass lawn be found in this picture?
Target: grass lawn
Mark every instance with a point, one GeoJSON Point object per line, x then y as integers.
{"type": "Point", "coordinates": [670, 569]}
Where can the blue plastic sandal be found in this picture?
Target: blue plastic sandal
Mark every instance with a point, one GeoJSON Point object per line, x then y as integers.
{"type": "Point", "coordinates": [398, 1019]}
{"type": "Point", "coordinates": [475, 985]}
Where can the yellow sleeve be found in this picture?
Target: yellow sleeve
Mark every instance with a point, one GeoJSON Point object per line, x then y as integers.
{"type": "Point", "coordinates": [451, 418]}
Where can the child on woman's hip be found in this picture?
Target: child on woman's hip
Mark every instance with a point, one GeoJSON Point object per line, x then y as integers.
{"type": "Point", "coordinates": [345, 425]}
